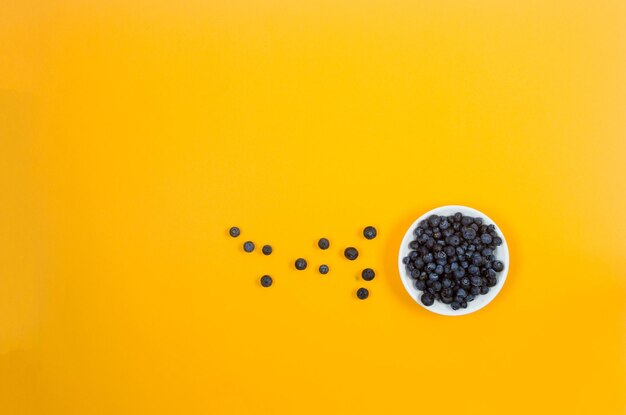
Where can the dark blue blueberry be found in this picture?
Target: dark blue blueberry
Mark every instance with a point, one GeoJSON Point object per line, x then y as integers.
{"type": "Point", "coordinates": [461, 293]}
{"type": "Point", "coordinates": [428, 258]}
{"type": "Point", "coordinates": [454, 240]}
{"type": "Point", "coordinates": [406, 260]}
{"type": "Point", "coordinates": [464, 264]}
{"type": "Point", "coordinates": [413, 254]}
{"type": "Point", "coordinates": [463, 304]}
{"type": "Point", "coordinates": [323, 243]}
{"type": "Point", "coordinates": [414, 244]}
{"type": "Point", "coordinates": [484, 290]}
{"type": "Point", "coordinates": [427, 299]}
{"type": "Point", "coordinates": [455, 305]}
{"type": "Point", "coordinates": [475, 291]}
{"type": "Point", "coordinates": [433, 220]}
{"type": "Point", "coordinates": [415, 273]}
{"type": "Point", "coordinates": [420, 285]}
{"type": "Point", "coordinates": [476, 281]}
{"type": "Point", "coordinates": [468, 233]}
{"type": "Point", "coordinates": [465, 282]}
{"type": "Point", "coordinates": [491, 273]}
{"type": "Point", "coordinates": [444, 224]}
{"type": "Point", "coordinates": [324, 269]}
{"type": "Point", "coordinates": [458, 216]}
{"type": "Point", "coordinates": [410, 266]}
{"type": "Point", "coordinates": [454, 266]}
{"type": "Point", "coordinates": [368, 274]}
{"type": "Point", "coordinates": [266, 280]}
{"type": "Point", "coordinates": [477, 260]}
{"type": "Point", "coordinates": [466, 221]}
{"type": "Point", "coordinates": [267, 250]}
{"type": "Point", "coordinates": [469, 298]}
{"type": "Point", "coordinates": [478, 221]}
{"type": "Point", "coordinates": [370, 232]}
{"type": "Point", "coordinates": [234, 232]}
{"type": "Point", "coordinates": [433, 276]}
{"type": "Point", "coordinates": [459, 273]}
{"type": "Point", "coordinates": [437, 286]}
{"type": "Point", "coordinates": [431, 267]}
{"type": "Point", "coordinates": [497, 266]}
{"type": "Point", "coordinates": [473, 269]}
{"type": "Point", "coordinates": [492, 281]}
{"type": "Point", "coordinates": [248, 246]}
{"type": "Point", "coordinates": [362, 293]}
{"type": "Point", "coordinates": [423, 224]}
{"type": "Point", "coordinates": [446, 283]}
{"type": "Point", "coordinates": [486, 252]}
{"type": "Point", "coordinates": [300, 264]}
{"type": "Point", "coordinates": [351, 253]}
{"type": "Point", "coordinates": [419, 263]}
{"type": "Point", "coordinates": [441, 255]}
{"type": "Point", "coordinates": [439, 269]}
{"type": "Point", "coordinates": [485, 238]}
{"type": "Point", "coordinates": [449, 250]}
{"type": "Point", "coordinates": [474, 226]}
{"type": "Point", "coordinates": [448, 232]}
{"type": "Point", "coordinates": [497, 241]}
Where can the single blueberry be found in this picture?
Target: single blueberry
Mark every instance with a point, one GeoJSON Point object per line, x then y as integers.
{"type": "Point", "coordinates": [485, 238]}
{"type": "Point", "coordinates": [476, 281]}
{"type": "Point", "coordinates": [484, 290]}
{"type": "Point", "coordinates": [497, 241]}
{"type": "Point", "coordinates": [475, 290]}
{"type": "Point", "coordinates": [428, 258]}
{"type": "Point", "coordinates": [497, 266]}
{"type": "Point", "coordinates": [370, 232]}
{"type": "Point", "coordinates": [368, 274]}
{"type": "Point", "coordinates": [351, 253]}
{"type": "Point", "coordinates": [300, 264]}
{"type": "Point", "coordinates": [324, 269]}
{"type": "Point", "coordinates": [469, 233]}
{"type": "Point", "coordinates": [267, 249]}
{"type": "Point", "coordinates": [455, 305]}
{"type": "Point", "coordinates": [473, 269]}
{"type": "Point", "coordinates": [248, 246]}
{"type": "Point", "coordinates": [362, 293]}
{"type": "Point", "coordinates": [234, 231]}
{"type": "Point", "coordinates": [406, 260]}
{"type": "Point", "coordinates": [427, 299]}
{"type": "Point", "coordinates": [433, 220]}
{"type": "Point", "coordinates": [465, 282]}
{"type": "Point", "coordinates": [266, 280]}
{"type": "Point", "coordinates": [446, 283]}
{"type": "Point", "coordinates": [323, 243]}
{"type": "Point", "coordinates": [420, 285]}
{"type": "Point", "coordinates": [463, 304]}
{"type": "Point", "coordinates": [466, 221]}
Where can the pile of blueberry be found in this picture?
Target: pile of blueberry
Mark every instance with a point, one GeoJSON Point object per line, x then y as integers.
{"type": "Point", "coordinates": [452, 259]}
{"type": "Point", "coordinates": [301, 264]}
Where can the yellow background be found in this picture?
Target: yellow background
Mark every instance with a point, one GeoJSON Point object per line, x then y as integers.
{"type": "Point", "coordinates": [133, 134]}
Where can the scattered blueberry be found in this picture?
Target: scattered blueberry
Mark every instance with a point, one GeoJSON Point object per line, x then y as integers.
{"type": "Point", "coordinates": [427, 299]}
{"type": "Point", "coordinates": [248, 246]}
{"type": "Point", "coordinates": [267, 250]}
{"type": "Point", "coordinates": [323, 243]}
{"type": "Point", "coordinates": [266, 280]}
{"type": "Point", "coordinates": [351, 253]}
{"type": "Point", "coordinates": [368, 274]}
{"type": "Point", "coordinates": [300, 264]}
{"type": "Point", "coordinates": [362, 293]}
{"type": "Point", "coordinates": [323, 269]}
{"type": "Point", "coordinates": [369, 232]}
{"type": "Point", "coordinates": [234, 231]}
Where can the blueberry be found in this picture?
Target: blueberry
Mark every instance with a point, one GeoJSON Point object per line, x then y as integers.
{"type": "Point", "coordinates": [455, 306]}
{"type": "Point", "coordinates": [433, 220]}
{"type": "Point", "coordinates": [437, 286]}
{"type": "Point", "coordinates": [497, 241]}
{"type": "Point", "coordinates": [423, 224]}
{"type": "Point", "coordinates": [441, 255]}
{"type": "Point", "coordinates": [459, 273]}
{"type": "Point", "coordinates": [466, 221]}
{"type": "Point", "coordinates": [431, 267]}
{"type": "Point", "coordinates": [418, 231]}
{"type": "Point", "coordinates": [410, 267]}
{"type": "Point", "coordinates": [406, 260]}
{"type": "Point", "coordinates": [369, 232]}
{"type": "Point", "coordinates": [454, 266]}
{"type": "Point", "coordinates": [266, 280]}
{"type": "Point", "coordinates": [415, 273]}
{"type": "Point", "coordinates": [484, 290]}
{"type": "Point", "coordinates": [427, 299]}
{"type": "Point", "coordinates": [248, 246]}
{"type": "Point", "coordinates": [465, 282]}
{"type": "Point", "coordinates": [476, 281]}
{"type": "Point", "coordinates": [473, 269]}
{"type": "Point", "coordinates": [414, 244]}
{"type": "Point", "coordinates": [478, 221]}
{"type": "Point", "coordinates": [368, 274]}
{"type": "Point", "coordinates": [267, 250]}
{"type": "Point", "coordinates": [449, 250]}
{"type": "Point", "coordinates": [351, 253]}
{"type": "Point", "coordinates": [444, 224]}
{"type": "Point", "coordinates": [463, 304]}
{"type": "Point", "coordinates": [413, 255]}
{"type": "Point", "coordinates": [362, 293]}
{"type": "Point", "coordinates": [419, 263]}
{"type": "Point", "coordinates": [461, 293]}
{"type": "Point", "coordinates": [433, 276]}
{"type": "Point", "coordinates": [428, 258]}
{"type": "Point", "coordinates": [477, 260]}
{"type": "Point", "coordinates": [469, 233]}
{"type": "Point", "coordinates": [469, 298]}
{"type": "Point", "coordinates": [486, 252]}
{"type": "Point", "coordinates": [464, 264]}
{"type": "Point", "coordinates": [446, 283]}
{"type": "Point", "coordinates": [454, 240]}
{"type": "Point", "coordinates": [485, 238]}
{"type": "Point", "coordinates": [439, 269]}
{"type": "Point", "coordinates": [420, 285]}
{"type": "Point", "coordinates": [234, 231]}
{"type": "Point", "coordinates": [492, 281]}
{"type": "Point", "coordinates": [475, 290]}
{"type": "Point", "coordinates": [300, 264]}
{"type": "Point", "coordinates": [458, 216]}
{"type": "Point", "coordinates": [324, 269]}
{"type": "Point", "coordinates": [323, 243]}
{"type": "Point", "coordinates": [497, 266]}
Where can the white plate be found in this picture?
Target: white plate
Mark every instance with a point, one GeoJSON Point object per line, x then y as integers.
{"type": "Point", "coordinates": [501, 253]}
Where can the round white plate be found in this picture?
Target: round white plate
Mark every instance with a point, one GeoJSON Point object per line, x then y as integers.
{"type": "Point", "coordinates": [501, 253]}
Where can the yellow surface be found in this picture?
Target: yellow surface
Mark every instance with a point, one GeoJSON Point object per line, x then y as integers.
{"type": "Point", "coordinates": [133, 134]}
